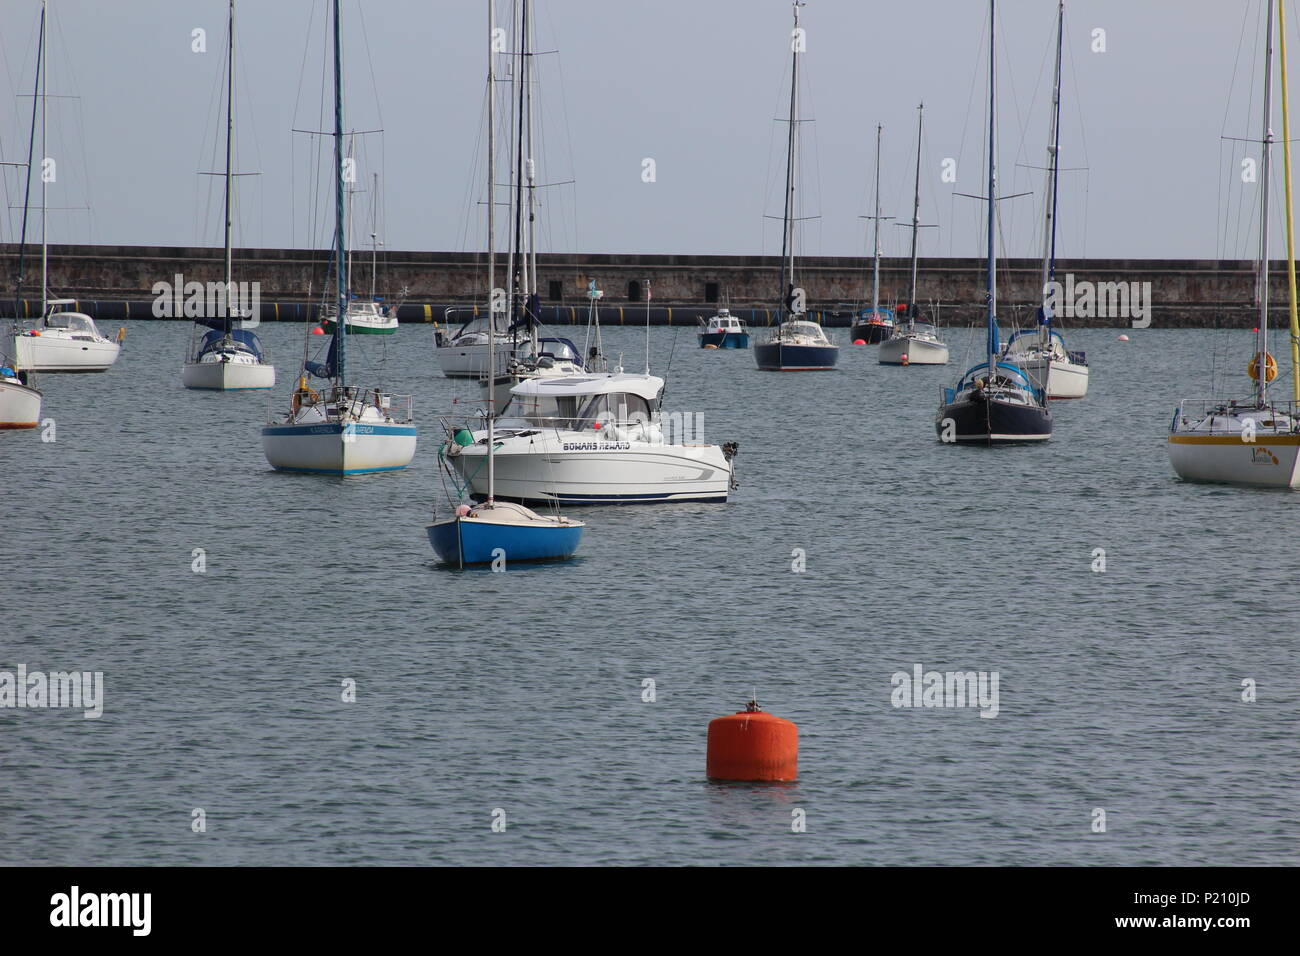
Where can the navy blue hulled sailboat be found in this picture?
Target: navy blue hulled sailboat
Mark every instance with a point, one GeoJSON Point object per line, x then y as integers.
{"type": "Point", "coordinates": [995, 401]}
{"type": "Point", "coordinates": [797, 344]}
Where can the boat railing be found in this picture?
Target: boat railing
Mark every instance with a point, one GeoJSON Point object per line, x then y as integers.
{"type": "Point", "coordinates": [1277, 418]}
{"type": "Point", "coordinates": [398, 408]}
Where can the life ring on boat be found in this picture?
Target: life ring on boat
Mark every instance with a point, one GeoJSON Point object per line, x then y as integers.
{"type": "Point", "coordinates": [1270, 367]}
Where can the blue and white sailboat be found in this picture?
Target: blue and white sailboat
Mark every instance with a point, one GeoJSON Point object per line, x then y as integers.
{"type": "Point", "coordinates": [797, 344]}
{"type": "Point", "coordinates": [228, 359]}
{"type": "Point", "coordinates": [994, 402]}
{"type": "Point", "coordinates": [499, 530]}
{"type": "Point", "coordinates": [344, 429]}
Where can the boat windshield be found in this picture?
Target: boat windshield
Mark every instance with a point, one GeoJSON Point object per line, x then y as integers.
{"type": "Point", "coordinates": [615, 407]}
{"type": "Point", "coordinates": [542, 411]}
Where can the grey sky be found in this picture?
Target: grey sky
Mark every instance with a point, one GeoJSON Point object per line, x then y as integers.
{"type": "Point", "coordinates": [693, 84]}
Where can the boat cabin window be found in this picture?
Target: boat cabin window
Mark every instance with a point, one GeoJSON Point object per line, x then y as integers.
{"type": "Point", "coordinates": [616, 407]}
{"type": "Point", "coordinates": [543, 411]}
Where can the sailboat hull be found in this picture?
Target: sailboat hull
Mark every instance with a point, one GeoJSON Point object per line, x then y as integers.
{"type": "Point", "coordinates": [227, 376]}
{"type": "Point", "coordinates": [48, 352]}
{"type": "Point", "coordinates": [618, 476]}
{"type": "Point", "coordinates": [20, 405]}
{"type": "Point", "coordinates": [336, 449]}
{"type": "Point", "coordinates": [916, 351]}
{"type": "Point", "coordinates": [779, 357]}
{"type": "Point", "coordinates": [1268, 462]}
{"type": "Point", "coordinates": [993, 422]}
{"type": "Point", "coordinates": [478, 541]}
{"type": "Point", "coordinates": [471, 361]}
{"type": "Point", "coordinates": [1063, 379]}
{"type": "Point", "coordinates": [724, 340]}
{"type": "Point", "coordinates": [872, 333]}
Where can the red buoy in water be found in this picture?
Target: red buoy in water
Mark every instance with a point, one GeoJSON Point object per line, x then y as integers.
{"type": "Point", "coordinates": [318, 331]}
{"type": "Point", "coordinates": [859, 341]}
{"type": "Point", "coordinates": [752, 745]}
{"type": "Point", "coordinates": [906, 360]}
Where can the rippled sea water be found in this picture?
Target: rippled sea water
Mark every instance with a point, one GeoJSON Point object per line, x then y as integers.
{"type": "Point", "coordinates": [523, 690]}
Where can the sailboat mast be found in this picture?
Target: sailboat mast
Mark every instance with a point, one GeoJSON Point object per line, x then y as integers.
{"type": "Point", "coordinates": [1261, 380]}
{"type": "Point", "coordinates": [374, 234]}
{"type": "Point", "coordinates": [1053, 167]}
{"type": "Point", "coordinates": [351, 190]}
{"type": "Point", "coordinates": [230, 140]}
{"type": "Point", "coordinates": [518, 256]}
{"type": "Point", "coordinates": [1290, 224]}
{"type": "Point", "coordinates": [45, 186]}
{"type": "Point", "coordinates": [530, 168]}
{"type": "Point", "coordinates": [993, 199]}
{"type": "Point", "coordinates": [787, 239]}
{"type": "Point", "coordinates": [491, 242]}
{"type": "Point", "coordinates": [27, 183]}
{"type": "Point", "coordinates": [875, 259]}
{"type": "Point", "coordinates": [340, 243]}
{"type": "Point", "coordinates": [916, 217]}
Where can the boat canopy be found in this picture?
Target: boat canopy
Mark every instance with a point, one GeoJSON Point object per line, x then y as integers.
{"type": "Point", "coordinates": [646, 386]}
{"type": "Point", "coordinates": [72, 321]}
{"type": "Point", "coordinates": [1030, 333]}
{"type": "Point", "coordinates": [1005, 368]}
{"type": "Point", "coordinates": [242, 338]}
{"type": "Point", "coordinates": [559, 349]}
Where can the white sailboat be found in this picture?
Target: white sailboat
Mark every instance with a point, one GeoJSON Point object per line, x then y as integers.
{"type": "Point", "coordinates": [62, 340]}
{"type": "Point", "coordinates": [913, 342]}
{"type": "Point", "coordinates": [20, 399]}
{"type": "Point", "coordinates": [1252, 441]}
{"type": "Point", "coordinates": [375, 317]}
{"type": "Point", "coordinates": [346, 430]}
{"type": "Point", "coordinates": [1042, 353]}
{"type": "Point", "coordinates": [227, 358]}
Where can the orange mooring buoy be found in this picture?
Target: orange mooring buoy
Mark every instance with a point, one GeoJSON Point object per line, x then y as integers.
{"type": "Point", "coordinates": [753, 745]}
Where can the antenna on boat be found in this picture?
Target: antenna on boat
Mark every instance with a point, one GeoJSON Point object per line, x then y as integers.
{"type": "Point", "coordinates": [647, 326]}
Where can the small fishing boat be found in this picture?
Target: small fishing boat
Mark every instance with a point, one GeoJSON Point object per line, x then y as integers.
{"type": "Point", "coordinates": [589, 439]}
{"type": "Point", "coordinates": [346, 430]}
{"type": "Point", "coordinates": [913, 342]}
{"type": "Point", "coordinates": [1255, 441]}
{"type": "Point", "coordinates": [797, 344]}
{"type": "Point", "coordinates": [723, 331]}
{"type": "Point", "coordinates": [226, 358]}
{"type": "Point", "coordinates": [1042, 353]}
{"type": "Point", "coordinates": [993, 402]}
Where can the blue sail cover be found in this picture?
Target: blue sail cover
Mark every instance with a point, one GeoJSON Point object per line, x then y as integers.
{"type": "Point", "coordinates": [245, 337]}
{"type": "Point", "coordinates": [328, 368]}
